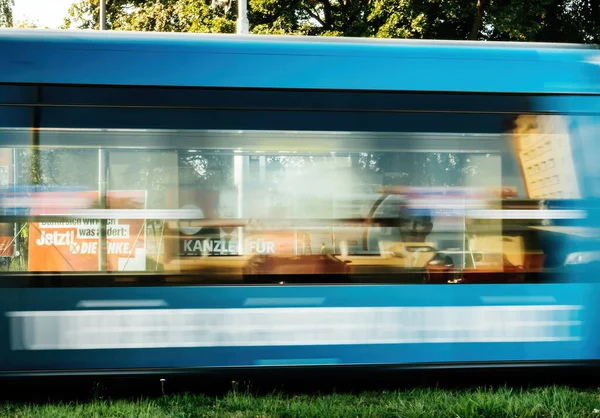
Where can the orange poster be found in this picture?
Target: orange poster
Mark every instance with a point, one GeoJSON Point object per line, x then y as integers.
{"type": "Point", "coordinates": [74, 245]}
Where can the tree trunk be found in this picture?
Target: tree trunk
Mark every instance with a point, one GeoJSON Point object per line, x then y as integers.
{"type": "Point", "coordinates": [481, 5]}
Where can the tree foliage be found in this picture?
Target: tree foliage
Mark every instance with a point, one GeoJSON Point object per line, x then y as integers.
{"type": "Point", "coordinates": [29, 24]}
{"type": "Point", "coordinates": [6, 13]}
{"type": "Point", "coordinates": [508, 20]}
{"type": "Point", "coordinates": [155, 15]}
{"type": "Point", "coordinates": [545, 21]}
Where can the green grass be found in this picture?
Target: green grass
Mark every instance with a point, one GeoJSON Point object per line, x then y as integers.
{"type": "Point", "coordinates": [503, 402]}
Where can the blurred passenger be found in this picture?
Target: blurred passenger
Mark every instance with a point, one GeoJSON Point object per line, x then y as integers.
{"type": "Point", "coordinates": [415, 229]}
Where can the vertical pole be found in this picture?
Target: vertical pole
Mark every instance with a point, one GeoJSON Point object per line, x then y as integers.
{"type": "Point", "coordinates": [241, 162]}
{"type": "Point", "coordinates": [102, 14]}
{"type": "Point", "coordinates": [102, 175]}
{"type": "Point", "coordinates": [238, 179]}
{"type": "Point", "coordinates": [17, 225]}
{"type": "Point", "coordinates": [242, 21]}
{"type": "Point", "coordinates": [102, 187]}
{"type": "Point", "coordinates": [35, 171]}
{"type": "Point", "coordinates": [262, 169]}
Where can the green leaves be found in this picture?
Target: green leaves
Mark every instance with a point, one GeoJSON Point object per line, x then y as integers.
{"type": "Point", "coordinates": [6, 13]}
{"type": "Point", "coordinates": [507, 20]}
{"type": "Point", "coordinates": [154, 15]}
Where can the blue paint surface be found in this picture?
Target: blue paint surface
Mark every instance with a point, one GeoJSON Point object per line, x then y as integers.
{"type": "Point", "coordinates": [350, 296]}
{"type": "Point", "coordinates": [302, 63]}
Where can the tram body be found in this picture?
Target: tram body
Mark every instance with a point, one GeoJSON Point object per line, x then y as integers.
{"type": "Point", "coordinates": [190, 202]}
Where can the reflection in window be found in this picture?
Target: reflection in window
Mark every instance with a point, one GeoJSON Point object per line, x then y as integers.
{"type": "Point", "coordinates": [404, 211]}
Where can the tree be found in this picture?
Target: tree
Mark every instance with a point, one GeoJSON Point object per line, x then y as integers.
{"type": "Point", "coordinates": [357, 18]}
{"type": "Point", "coordinates": [312, 17]}
{"type": "Point", "coordinates": [157, 15]}
{"type": "Point", "coordinates": [576, 21]}
{"type": "Point", "coordinates": [514, 20]}
{"type": "Point", "coordinates": [29, 24]}
{"type": "Point", "coordinates": [423, 19]}
{"type": "Point", "coordinates": [6, 13]}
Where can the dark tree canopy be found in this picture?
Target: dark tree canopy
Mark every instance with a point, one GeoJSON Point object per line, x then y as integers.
{"type": "Point", "coordinates": [508, 20]}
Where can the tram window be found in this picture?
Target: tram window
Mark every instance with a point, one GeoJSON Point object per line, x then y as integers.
{"type": "Point", "coordinates": [318, 206]}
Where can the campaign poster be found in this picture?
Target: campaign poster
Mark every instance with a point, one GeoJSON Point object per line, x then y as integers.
{"type": "Point", "coordinates": [273, 243]}
{"type": "Point", "coordinates": [74, 245]}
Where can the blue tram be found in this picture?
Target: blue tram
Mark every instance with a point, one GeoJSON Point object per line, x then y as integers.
{"type": "Point", "coordinates": [184, 202]}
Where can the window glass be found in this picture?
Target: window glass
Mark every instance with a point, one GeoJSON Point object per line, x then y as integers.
{"type": "Point", "coordinates": [440, 198]}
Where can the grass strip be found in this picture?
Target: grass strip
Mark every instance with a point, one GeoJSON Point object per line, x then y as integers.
{"type": "Point", "coordinates": [500, 402]}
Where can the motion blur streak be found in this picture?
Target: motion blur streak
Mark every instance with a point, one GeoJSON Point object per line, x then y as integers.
{"type": "Point", "coordinates": [121, 304]}
{"type": "Point", "coordinates": [283, 301]}
{"type": "Point", "coordinates": [102, 329]}
{"type": "Point", "coordinates": [518, 299]}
